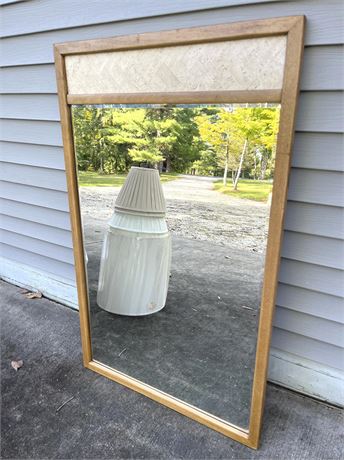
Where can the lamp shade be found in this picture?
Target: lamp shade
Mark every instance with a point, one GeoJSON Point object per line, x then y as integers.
{"type": "Point", "coordinates": [142, 193]}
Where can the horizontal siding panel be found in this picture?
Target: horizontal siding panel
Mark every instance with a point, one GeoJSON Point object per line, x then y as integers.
{"type": "Point", "coordinates": [323, 27]}
{"type": "Point", "coordinates": [319, 151]}
{"type": "Point", "coordinates": [314, 277]}
{"type": "Point", "coordinates": [319, 187]}
{"type": "Point", "coordinates": [321, 71]}
{"type": "Point", "coordinates": [47, 233]}
{"type": "Point", "coordinates": [36, 246]}
{"type": "Point", "coordinates": [310, 326]}
{"type": "Point", "coordinates": [31, 132]}
{"type": "Point", "coordinates": [30, 106]}
{"type": "Point", "coordinates": [43, 156]}
{"type": "Point", "coordinates": [52, 179]}
{"type": "Point", "coordinates": [315, 219]}
{"type": "Point", "coordinates": [321, 112]}
{"type": "Point", "coordinates": [318, 250]}
{"type": "Point", "coordinates": [51, 199]}
{"type": "Point", "coordinates": [38, 214]}
{"type": "Point", "coordinates": [38, 261]}
{"type": "Point", "coordinates": [37, 17]}
{"type": "Point", "coordinates": [310, 302]}
{"type": "Point", "coordinates": [315, 350]}
{"type": "Point", "coordinates": [28, 79]}
{"type": "Point", "coordinates": [324, 22]}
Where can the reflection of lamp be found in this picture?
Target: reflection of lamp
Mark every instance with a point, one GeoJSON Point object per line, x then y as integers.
{"type": "Point", "coordinates": [136, 256]}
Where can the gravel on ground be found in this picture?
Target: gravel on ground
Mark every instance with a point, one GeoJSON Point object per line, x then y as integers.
{"type": "Point", "coordinates": [196, 211]}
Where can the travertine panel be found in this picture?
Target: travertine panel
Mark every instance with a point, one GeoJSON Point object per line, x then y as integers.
{"type": "Point", "coordinates": [250, 64]}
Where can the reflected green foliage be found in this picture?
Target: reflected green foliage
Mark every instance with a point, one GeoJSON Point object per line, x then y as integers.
{"type": "Point", "coordinates": [110, 140]}
{"type": "Point", "coordinates": [238, 141]}
{"type": "Point", "coordinates": [232, 142]}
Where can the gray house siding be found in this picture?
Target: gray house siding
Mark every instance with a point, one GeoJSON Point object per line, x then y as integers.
{"type": "Point", "coordinates": [307, 352]}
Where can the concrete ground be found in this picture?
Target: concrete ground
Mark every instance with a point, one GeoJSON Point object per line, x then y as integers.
{"type": "Point", "coordinates": [107, 421]}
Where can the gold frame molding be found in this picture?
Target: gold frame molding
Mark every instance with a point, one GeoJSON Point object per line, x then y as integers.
{"type": "Point", "coordinates": [293, 28]}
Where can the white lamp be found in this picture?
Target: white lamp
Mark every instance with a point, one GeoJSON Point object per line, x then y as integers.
{"type": "Point", "coordinates": [136, 257]}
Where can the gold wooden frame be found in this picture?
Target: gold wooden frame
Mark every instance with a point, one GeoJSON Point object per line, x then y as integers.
{"type": "Point", "coordinates": [293, 28]}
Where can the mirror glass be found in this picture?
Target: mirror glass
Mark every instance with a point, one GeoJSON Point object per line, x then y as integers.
{"type": "Point", "coordinates": [175, 204]}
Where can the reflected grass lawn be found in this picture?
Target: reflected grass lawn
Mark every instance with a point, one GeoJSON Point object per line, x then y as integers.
{"type": "Point", "coordinates": [94, 179]}
{"type": "Point", "coordinates": [248, 189]}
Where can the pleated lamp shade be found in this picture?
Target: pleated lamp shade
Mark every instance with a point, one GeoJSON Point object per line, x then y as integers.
{"type": "Point", "coordinates": [142, 193]}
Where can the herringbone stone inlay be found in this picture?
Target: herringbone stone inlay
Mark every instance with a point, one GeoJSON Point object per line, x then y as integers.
{"type": "Point", "coordinates": [250, 64]}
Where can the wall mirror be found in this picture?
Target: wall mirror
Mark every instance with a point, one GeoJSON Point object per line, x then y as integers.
{"type": "Point", "coordinates": [177, 148]}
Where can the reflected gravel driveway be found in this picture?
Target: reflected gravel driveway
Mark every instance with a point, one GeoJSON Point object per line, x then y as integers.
{"type": "Point", "coordinates": [195, 211]}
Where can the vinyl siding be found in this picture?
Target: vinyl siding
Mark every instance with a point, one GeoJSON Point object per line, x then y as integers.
{"type": "Point", "coordinates": [35, 229]}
